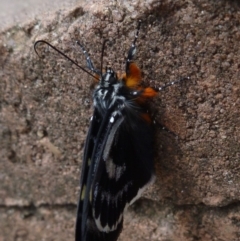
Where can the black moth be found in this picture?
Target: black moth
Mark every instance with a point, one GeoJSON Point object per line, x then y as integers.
{"type": "Point", "coordinates": [118, 155]}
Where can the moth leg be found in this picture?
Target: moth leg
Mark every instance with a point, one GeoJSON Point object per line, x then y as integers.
{"type": "Point", "coordinates": [164, 128]}
{"type": "Point", "coordinates": [132, 50]}
{"type": "Point", "coordinates": [163, 87]}
{"type": "Point", "coordinates": [89, 61]}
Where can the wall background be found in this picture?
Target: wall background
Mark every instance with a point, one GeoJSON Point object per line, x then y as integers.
{"type": "Point", "coordinates": [19, 12]}
{"type": "Point", "coordinates": [45, 107]}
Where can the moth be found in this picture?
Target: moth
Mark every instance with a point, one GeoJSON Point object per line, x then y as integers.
{"type": "Point", "coordinates": [118, 154]}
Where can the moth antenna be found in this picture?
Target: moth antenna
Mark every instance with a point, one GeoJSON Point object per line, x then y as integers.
{"type": "Point", "coordinates": [136, 36]}
{"type": "Point", "coordinates": [64, 55]}
{"type": "Point", "coordinates": [103, 48]}
{"type": "Point", "coordinates": [89, 61]}
{"type": "Point", "coordinates": [132, 49]}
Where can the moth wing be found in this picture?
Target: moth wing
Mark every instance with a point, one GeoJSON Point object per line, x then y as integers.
{"type": "Point", "coordinates": [124, 171]}
{"type": "Point", "coordinates": [98, 133]}
{"type": "Point", "coordinates": [118, 165]}
{"type": "Point", "coordinates": [85, 181]}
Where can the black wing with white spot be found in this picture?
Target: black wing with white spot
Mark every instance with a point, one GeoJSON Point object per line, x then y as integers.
{"type": "Point", "coordinates": [118, 165]}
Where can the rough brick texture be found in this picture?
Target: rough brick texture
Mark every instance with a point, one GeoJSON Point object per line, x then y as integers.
{"type": "Point", "coordinates": [46, 106]}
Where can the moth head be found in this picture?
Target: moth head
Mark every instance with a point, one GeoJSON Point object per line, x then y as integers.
{"type": "Point", "coordinates": [109, 78]}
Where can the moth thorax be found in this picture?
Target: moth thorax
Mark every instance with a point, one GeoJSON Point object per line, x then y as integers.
{"type": "Point", "coordinates": [107, 97]}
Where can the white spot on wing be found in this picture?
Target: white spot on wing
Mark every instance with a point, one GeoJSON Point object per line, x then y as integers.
{"type": "Point", "coordinates": [141, 190]}
{"type": "Point", "coordinates": [112, 119]}
{"type": "Point", "coordinates": [110, 167]}
{"type": "Point", "coordinates": [119, 171]}
{"type": "Point", "coordinates": [106, 228]}
{"type": "Point", "coordinates": [114, 171]}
